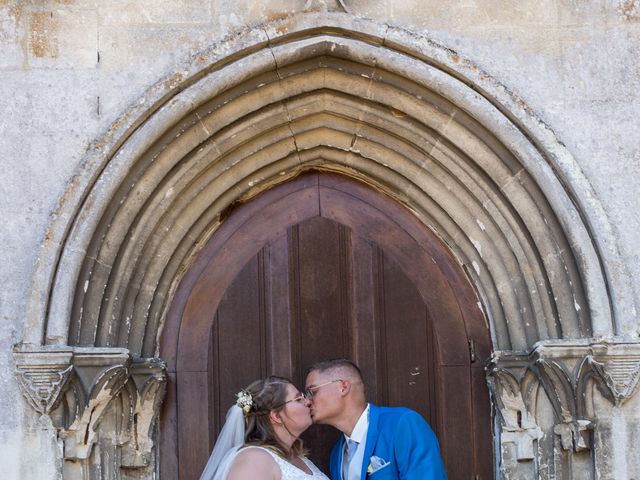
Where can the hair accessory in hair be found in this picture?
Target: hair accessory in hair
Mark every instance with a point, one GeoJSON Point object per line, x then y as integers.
{"type": "Point", "coordinates": [244, 401]}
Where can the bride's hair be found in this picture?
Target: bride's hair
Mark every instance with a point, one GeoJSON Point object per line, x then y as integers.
{"type": "Point", "coordinates": [268, 394]}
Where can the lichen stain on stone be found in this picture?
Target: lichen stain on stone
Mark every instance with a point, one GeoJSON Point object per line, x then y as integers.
{"type": "Point", "coordinates": [630, 9]}
{"type": "Point", "coordinates": [48, 236]}
{"type": "Point", "coordinates": [13, 9]}
{"type": "Point", "coordinates": [174, 80]}
{"type": "Point", "coordinates": [202, 59]}
{"type": "Point", "coordinates": [276, 17]}
{"type": "Point", "coordinates": [283, 19]}
{"type": "Point", "coordinates": [43, 35]}
{"type": "Point", "coordinates": [523, 105]}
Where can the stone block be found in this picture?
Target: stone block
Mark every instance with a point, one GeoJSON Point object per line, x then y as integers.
{"type": "Point", "coordinates": [155, 12]}
{"type": "Point", "coordinates": [11, 51]}
{"type": "Point", "coordinates": [62, 38]}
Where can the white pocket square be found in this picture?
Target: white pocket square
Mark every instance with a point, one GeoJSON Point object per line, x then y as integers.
{"type": "Point", "coordinates": [376, 463]}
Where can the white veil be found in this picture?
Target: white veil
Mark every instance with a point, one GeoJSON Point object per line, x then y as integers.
{"type": "Point", "coordinates": [227, 445]}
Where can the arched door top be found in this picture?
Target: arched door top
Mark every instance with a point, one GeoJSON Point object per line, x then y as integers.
{"type": "Point", "coordinates": [418, 252]}
{"type": "Point", "coordinates": [404, 115]}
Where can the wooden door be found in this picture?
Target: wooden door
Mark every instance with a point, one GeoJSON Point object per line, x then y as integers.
{"type": "Point", "coordinates": [319, 268]}
{"type": "Point", "coordinates": [307, 296]}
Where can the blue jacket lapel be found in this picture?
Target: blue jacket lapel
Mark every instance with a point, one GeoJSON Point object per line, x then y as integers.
{"type": "Point", "coordinates": [336, 472]}
{"type": "Point", "coordinates": [372, 438]}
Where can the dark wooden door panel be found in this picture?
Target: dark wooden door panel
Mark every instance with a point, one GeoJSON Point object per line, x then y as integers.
{"type": "Point", "coordinates": [365, 298]}
{"type": "Point", "coordinates": [481, 405]}
{"type": "Point", "coordinates": [277, 281]}
{"type": "Point", "coordinates": [238, 350]}
{"type": "Point", "coordinates": [405, 342]}
{"type": "Point", "coordinates": [456, 432]}
{"type": "Point", "coordinates": [193, 442]}
{"type": "Point", "coordinates": [320, 291]}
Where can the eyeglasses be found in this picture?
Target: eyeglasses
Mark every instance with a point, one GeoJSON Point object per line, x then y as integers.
{"type": "Point", "coordinates": [311, 391]}
{"type": "Point", "coordinates": [300, 398]}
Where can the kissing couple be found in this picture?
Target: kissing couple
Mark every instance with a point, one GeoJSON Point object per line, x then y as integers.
{"type": "Point", "coordinates": [260, 439]}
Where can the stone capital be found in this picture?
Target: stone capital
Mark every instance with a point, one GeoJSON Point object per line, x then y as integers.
{"type": "Point", "coordinates": [563, 368]}
{"type": "Point", "coordinates": [87, 380]}
{"type": "Point", "coordinates": [43, 376]}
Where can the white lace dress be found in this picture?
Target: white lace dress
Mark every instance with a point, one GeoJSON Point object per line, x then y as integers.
{"type": "Point", "coordinates": [291, 472]}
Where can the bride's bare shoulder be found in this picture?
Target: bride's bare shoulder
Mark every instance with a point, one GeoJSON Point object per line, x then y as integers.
{"type": "Point", "coordinates": [254, 464]}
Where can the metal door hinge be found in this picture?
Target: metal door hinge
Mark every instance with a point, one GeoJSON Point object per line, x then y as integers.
{"type": "Point", "coordinates": [472, 350]}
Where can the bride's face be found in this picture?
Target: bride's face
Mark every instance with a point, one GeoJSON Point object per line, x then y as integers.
{"type": "Point", "coordinates": [295, 413]}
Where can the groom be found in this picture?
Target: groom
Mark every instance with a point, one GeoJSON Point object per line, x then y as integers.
{"type": "Point", "coordinates": [378, 442]}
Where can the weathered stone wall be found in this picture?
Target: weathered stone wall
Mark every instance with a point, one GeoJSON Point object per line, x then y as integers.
{"type": "Point", "coordinates": [72, 70]}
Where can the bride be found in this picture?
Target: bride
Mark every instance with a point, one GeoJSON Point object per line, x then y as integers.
{"type": "Point", "coordinates": [260, 438]}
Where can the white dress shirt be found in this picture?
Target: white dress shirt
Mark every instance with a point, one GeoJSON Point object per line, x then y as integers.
{"type": "Point", "coordinates": [358, 435]}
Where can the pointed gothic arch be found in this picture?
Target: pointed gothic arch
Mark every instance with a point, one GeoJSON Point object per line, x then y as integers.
{"type": "Point", "coordinates": [341, 102]}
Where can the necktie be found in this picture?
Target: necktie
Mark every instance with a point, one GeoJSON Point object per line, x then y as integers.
{"type": "Point", "coordinates": [352, 446]}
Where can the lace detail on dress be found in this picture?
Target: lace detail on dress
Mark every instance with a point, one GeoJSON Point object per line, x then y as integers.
{"type": "Point", "coordinates": [291, 472]}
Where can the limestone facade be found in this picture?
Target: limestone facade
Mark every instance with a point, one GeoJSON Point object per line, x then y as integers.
{"type": "Point", "coordinates": [131, 128]}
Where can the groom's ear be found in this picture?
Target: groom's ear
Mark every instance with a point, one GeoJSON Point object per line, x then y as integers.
{"type": "Point", "coordinates": [345, 387]}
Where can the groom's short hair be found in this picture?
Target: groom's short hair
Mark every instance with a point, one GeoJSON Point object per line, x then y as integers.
{"type": "Point", "coordinates": [336, 364]}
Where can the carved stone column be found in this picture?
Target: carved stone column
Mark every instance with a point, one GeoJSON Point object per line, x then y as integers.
{"type": "Point", "coordinates": [547, 410]}
{"type": "Point", "coordinates": [103, 402]}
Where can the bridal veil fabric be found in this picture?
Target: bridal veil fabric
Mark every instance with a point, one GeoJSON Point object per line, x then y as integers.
{"type": "Point", "coordinates": [229, 441]}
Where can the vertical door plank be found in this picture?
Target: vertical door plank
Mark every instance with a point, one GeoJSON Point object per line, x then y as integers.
{"type": "Point", "coordinates": [482, 444]}
{"type": "Point", "coordinates": [433, 375]}
{"type": "Point", "coordinates": [168, 431]}
{"type": "Point", "coordinates": [456, 413]}
{"type": "Point", "coordinates": [193, 410]}
{"type": "Point", "coordinates": [238, 350]}
{"type": "Point", "coordinates": [320, 298]}
{"type": "Point", "coordinates": [365, 334]}
{"type": "Point", "coordinates": [406, 341]}
{"type": "Point", "coordinates": [277, 308]}
{"type": "Point", "coordinates": [321, 315]}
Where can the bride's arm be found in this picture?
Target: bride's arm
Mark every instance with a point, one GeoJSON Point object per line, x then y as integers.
{"type": "Point", "coordinates": [254, 464]}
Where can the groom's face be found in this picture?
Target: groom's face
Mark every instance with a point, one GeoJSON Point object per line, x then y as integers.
{"type": "Point", "coordinates": [325, 398]}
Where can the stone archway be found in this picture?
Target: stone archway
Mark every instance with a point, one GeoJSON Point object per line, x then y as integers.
{"type": "Point", "coordinates": [400, 113]}
{"type": "Point", "coordinates": [347, 105]}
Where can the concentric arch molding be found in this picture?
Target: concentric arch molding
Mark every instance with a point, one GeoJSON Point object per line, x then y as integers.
{"type": "Point", "coordinates": [397, 111]}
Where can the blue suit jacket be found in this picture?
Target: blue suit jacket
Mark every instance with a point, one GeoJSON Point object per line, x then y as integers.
{"type": "Point", "coordinates": [401, 437]}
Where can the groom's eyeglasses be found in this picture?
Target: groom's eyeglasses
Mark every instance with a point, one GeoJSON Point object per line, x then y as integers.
{"type": "Point", "coordinates": [311, 391]}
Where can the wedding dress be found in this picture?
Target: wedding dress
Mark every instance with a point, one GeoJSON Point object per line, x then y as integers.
{"type": "Point", "coordinates": [288, 471]}
{"type": "Point", "coordinates": [291, 472]}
